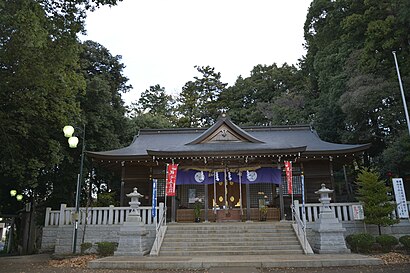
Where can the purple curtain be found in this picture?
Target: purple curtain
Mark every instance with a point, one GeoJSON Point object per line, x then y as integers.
{"type": "Point", "coordinates": [261, 175]}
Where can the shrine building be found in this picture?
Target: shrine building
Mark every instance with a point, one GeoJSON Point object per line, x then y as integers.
{"type": "Point", "coordinates": [229, 171]}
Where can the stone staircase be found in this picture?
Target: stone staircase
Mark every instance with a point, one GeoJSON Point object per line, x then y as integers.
{"type": "Point", "coordinates": [233, 238]}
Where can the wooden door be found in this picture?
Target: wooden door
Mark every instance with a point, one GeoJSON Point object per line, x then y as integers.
{"type": "Point", "coordinates": [232, 195]}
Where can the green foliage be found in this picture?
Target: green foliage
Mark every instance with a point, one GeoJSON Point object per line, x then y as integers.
{"type": "Point", "coordinates": [405, 241]}
{"type": "Point", "coordinates": [387, 242]}
{"type": "Point", "coordinates": [376, 198]}
{"type": "Point", "coordinates": [271, 95]}
{"type": "Point", "coordinates": [350, 69]}
{"type": "Point", "coordinates": [396, 157]}
{"type": "Point", "coordinates": [41, 90]}
{"type": "Point", "coordinates": [106, 248]}
{"type": "Point", "coordinates": [155, 101]}
{"type": "Point", "coordinates": [85, 246]}
{"type": "Point", "coordinates": [197, 209]}
{"type": "Point", "coordinates": [105, 199]}
{"type": "Point", "coordinates": [198, 103]}
{"type": "Point", "coordinates": [360, 242]}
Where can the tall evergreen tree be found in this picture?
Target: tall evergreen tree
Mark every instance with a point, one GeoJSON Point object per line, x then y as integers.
{"type": "Point", "coordinates": [376, 199]}
{"type": "Point", "coordinates": [199, 99]}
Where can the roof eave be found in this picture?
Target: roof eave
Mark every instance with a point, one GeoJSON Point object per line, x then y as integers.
{"type": "Point", "coordinates": [228, 153]}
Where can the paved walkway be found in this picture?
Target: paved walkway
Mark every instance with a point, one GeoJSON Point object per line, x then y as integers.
{"type": "Point", "coordinates": [249, 261]}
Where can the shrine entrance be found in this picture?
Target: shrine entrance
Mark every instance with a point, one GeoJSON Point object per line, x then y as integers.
{"type": "Point", "coordinates": [226, 198]}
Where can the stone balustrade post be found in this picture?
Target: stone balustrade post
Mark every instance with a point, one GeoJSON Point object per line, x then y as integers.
{"type": "Point", "coordinates": [296, 206]}
{"type": "Point", "coordinates": [110, 215]}
{"type": "Point", "coordinates": [47, 218]}
{"type": "Point", "coordinates": [61, 219]}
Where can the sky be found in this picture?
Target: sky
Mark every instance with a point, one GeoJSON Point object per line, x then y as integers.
{"type": "Point", "coordinates": [161, 41]}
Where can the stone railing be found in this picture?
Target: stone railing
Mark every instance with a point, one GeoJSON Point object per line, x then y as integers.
{"type": "Point", "coordinates": [342, 211]}
{"type": "Point", "coordinates": [96, 216]}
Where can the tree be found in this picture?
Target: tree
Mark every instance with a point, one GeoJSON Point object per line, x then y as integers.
{"type": "Point", "coordinates": [156, 102]}
{"type": "Point", "coordinates": [376, 199]}
{"type": "Point", "coordinates": [38, 88]}
{"type": "Point", "coordinates": [199, 100]}
{"type": "Point", "coordinates": [271, 95]}
{"type": "Point", "coordinates": [396, 157]}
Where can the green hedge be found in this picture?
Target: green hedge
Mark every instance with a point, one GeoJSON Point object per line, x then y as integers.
{"type": "Point", "coordinates": [85, 247]}
{"type": "Point", "coordinates": [360, 242]}
{"type": "Point", "coordinates": [387, 242]}
{"type": "Point", "coordinates": [405, 241]}
{"type": "Point", "coordinates": [106, 248]}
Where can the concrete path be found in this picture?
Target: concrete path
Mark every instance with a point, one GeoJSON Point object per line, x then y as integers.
{"type": "Point", "coordinates": [239, 261]}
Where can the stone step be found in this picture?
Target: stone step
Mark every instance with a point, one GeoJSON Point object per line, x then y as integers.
{"type": "Point", "coordinates": [171, 231]}
{"type": "Point", "coordinates": [227, 227]}
{"type": "Point", "coordinates": [230, 239]}
{"type": "Point", "coordinates": [224, 243]}
{"type": "Point", "coordinates": [278, 240]}
{"type": "Point", "coordinates": [237, 236]}
{"type": "Point", "coordinates": [237, 252]}
{"type": "Point", "coordinates": [222, 247]}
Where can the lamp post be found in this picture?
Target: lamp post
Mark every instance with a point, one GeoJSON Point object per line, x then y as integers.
{"type": "Point", "coordinates": [72, 142]}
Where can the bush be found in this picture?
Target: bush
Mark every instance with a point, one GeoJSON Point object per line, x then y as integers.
{"type": "Point", "coordinates": [361, 242]}
{"type": "Point", "coordinates": [405, 241]}
{"type": "Point", "coordinates": [85, 247]}
{"type": "Point", "coordinates": [387, 242]}
{"type": "Point", "coordinates": [106, 248]}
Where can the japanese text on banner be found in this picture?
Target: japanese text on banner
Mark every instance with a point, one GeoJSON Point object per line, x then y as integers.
{"type": "Point", "coordinates": [154, 198]}
{"type": "Point", "coordinates": [288, 168]}
{"type": "Point", "coordinates": [400, 195]}
{"type": "Point", "coordinates": [171, 180]}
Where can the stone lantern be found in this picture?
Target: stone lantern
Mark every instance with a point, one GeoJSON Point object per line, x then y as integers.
{"type": "Point", "coordinates": [328, 231]}
{"type": "Point", "coordinates": [133, 239]}
{"type": "Point", "coordinates": [324, 198]}
{"type": "Point", "coordinates": [134, 215]}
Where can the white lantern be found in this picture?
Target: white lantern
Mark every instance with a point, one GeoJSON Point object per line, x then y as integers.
{"type": "Point", "coordinates": [19, 197]}
{"type": "Point", "coordinates": [73, 141]}
{"type": "Point", "coordinates": [13, 193]}
{"type": "Point", "coordinates": [68, 130]}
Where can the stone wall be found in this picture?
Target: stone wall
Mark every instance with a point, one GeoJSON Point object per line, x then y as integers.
{"type": "Point", "coordinates": [397, 230]}
{"type": "Point", "coordinates": [59, 239]}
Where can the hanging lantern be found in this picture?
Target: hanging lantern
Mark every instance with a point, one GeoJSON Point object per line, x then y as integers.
{"type": "Point", "coordinates": [73, 141]}
{"type": "Point", "coordinates": [13, 193]}
{"type": "Point", "coordinates": [68, 130]}
{"type": "Point", "coordinates": [19, 197]}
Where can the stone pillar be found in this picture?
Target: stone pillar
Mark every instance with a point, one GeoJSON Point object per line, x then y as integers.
{"type": "Point", "coordinates": [328, 231]}
{"type": "Point", "coordinates": [133, 239]}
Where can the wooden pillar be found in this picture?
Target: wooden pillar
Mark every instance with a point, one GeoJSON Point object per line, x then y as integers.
{"type": "Point", "coordinates": [248, 203]}
{"type": "Point", "coordinates": [332, 178]}
{"type": "Point", "coordinates": [206, 202]}
{"type": "Point", "coordinates": [122, 193]}
{"type": "Point", "coordinates": [282, 205]}
{"type": "Point", "coordinates": [173, 208]}
{"type": "Point", "coordinates": [281, 202]}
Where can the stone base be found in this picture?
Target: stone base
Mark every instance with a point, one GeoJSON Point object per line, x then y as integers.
{"type": "Point", "coordinates": [133, 240]}
{"type": "Point", "coordinates": [328, 235]}
{"type": "Point", "coordinates": [328, 242]}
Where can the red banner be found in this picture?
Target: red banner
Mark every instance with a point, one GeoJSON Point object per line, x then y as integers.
{"type": "Point", "coordinates": [171, 180]}
{"type": "Point", "coordinates": [288, 168]}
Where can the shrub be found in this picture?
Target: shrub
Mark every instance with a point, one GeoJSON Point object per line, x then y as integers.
{"type": "Point", "coordinates": [106, 248]}
{"type": "Point", "coordinates": [387, 242]}
{"type": "Point", "coordinates": [405, 241]}
{"type": "Point", "coordinates": [361, 242]}
{"type": "Point", "coordinates": [85, 247]}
